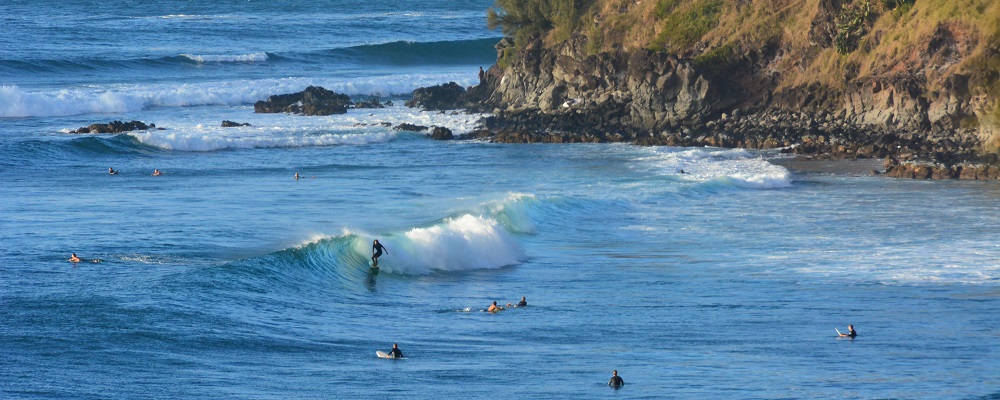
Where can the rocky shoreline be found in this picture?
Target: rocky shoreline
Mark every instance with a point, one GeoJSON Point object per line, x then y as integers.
{"type": "Point", "coordinates": [565, 95]}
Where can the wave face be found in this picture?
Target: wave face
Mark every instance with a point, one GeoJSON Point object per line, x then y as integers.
{"type": "Point", "coordinates": [465, 242]}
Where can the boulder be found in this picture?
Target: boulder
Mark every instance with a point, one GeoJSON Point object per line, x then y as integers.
{"type": "Point", "coordinates": [441, 133]}
{"type": "Point", "coordinates": [115, 127]}
{"type": "Point", "coordinates": [231, 124]}
{"type": "Point", "coordinates": [441, 97]}
{"type": "Point", "coordinates": [409, 127]}
{"type": "Point", "coordinates": [314, 100]}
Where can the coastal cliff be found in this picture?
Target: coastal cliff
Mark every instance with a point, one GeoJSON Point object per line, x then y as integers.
{"type": "Point", "coordinates": [912, 82]}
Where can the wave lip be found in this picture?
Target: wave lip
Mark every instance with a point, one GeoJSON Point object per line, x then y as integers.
{"type": "Point", "coordinates": [215, 58]}
{"type": "Point", "coordinates": [466, 242]}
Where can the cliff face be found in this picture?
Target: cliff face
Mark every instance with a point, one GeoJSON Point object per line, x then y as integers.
{"type": "Point", "coordinates": [928, 101]}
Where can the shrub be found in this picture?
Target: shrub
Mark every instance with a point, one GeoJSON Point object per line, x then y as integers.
{"type": "Point", "coordinates": [852, 25]}
{"type": "Point", "coordinates": [684, 27]}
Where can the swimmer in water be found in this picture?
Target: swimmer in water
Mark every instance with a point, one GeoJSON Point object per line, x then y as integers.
{"type": "Point", "coordinates": [616, 381]}
{"type": "Point", "coordinates": [495, 308]}
{"type": "Point", "coordinates": [377, 249]}
{"type": "Point", "coordinates": [523, 302]}
{"type": "Point", "coordinates": [156, 172]}
{"type": "Point", "coordinates": [111, 171]}
{"type": "Point", "coordinates": [74, 259]}
{"type": "Point", "coordinates": [296, 176]}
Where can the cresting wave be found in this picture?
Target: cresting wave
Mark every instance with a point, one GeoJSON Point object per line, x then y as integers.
{"type": "Point", "coordinates": [18, 103]}
{"type": "Point", "coordinates": [245, 58]}
{"type": "Point", "coordinates": [461, 243]}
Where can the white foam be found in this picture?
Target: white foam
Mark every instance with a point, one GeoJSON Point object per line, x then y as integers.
{"type": "Point", "coordinates": [737, 167]}
{"type": "Point", "coordinates": [246, 58]}
{"type": "Point", "coordinates": [16, 102]}
{"type": "Point", "coordinates": [357, 127]}
{"type": "Point", "coordinates": [467, 242]}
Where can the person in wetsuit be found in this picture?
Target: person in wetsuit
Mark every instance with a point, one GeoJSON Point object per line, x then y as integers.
{"type": "Point", "coordinates": [395, 352]}
{"type": "Point", "coordinates": [377, 249]}
{"type": "Point", "coordinates": [111, 171]}
{"type": "Point", "coordinates": [851, 333]}
{"type": "Point", "coordinates": [523, 302]}
{"type": "Point", "coordinates": [616, 381]}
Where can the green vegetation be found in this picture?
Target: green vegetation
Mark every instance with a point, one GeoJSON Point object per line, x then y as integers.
{"type": "Point", "coordinates": [525, 20]}
{"type": "Point", "coordinates": [852, 25]}
{"type": "Point", "coordinates": [685, 26]}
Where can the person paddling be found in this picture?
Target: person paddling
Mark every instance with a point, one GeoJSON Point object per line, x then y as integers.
{"type": "Point", "coordinates": [74, 258]}
{"type": "Point", "coordinates": [377, 249]}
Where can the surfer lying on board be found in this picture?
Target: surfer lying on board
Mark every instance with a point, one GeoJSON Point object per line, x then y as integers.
{"type": "Point", "coordinates": [157, 172]}
{"type": "Point", "coordinates": [112, 171]}
{"type": "Point", "coordinates": [851, 333]}
{"type": "Point", "coordinates": [495, 308]}
{"type": "Point", "coordinates": [74, 258]}
{"type": "Point", "coordinates": [377, 249]}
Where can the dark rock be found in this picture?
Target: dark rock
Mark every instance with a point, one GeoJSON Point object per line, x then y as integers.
{"type": "Point", "coordinates": [372, 103]}
{"type": "Point", "coordinates": [409, 127]}
{"type": "Point", "coordinates": [441, 97]}
{"type": "Point", "coordinates": [441, 133]}
{"type": "Point", "coordinates": [314, 100]}
{"type": "Point", "coordinates": [115, 127]}
{"type": "Point", "coordinates": [231, 124]}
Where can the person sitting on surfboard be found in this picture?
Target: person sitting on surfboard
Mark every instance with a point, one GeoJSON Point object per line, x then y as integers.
{"type": "Point", "coordinates": [377, 249]}
{"type": "Point", "coordinates": [522, 303]}
{"type": "Point", "coordinates": [395, 352]}
{"type": "Point", "coordinates": [616, 381]}
{"type": "Point", "coordinates": [851, 333]}
{"type": "Point", "coordinates": [112, 171]}
{"type": "Point", "coordinates": [494, 308]}
{"type": "Point", "coordinates": [74, 258]}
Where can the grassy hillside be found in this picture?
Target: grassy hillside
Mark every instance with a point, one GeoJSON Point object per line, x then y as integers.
{"type": "Point", "coordinates": [796, 42]}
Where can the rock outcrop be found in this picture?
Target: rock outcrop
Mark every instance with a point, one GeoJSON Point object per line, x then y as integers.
{"type": "Point", "coordinates": [231, 124]}
{"type": "Point", "coordinates": [115, 127]}
{"type": "Point", "coordinates": [314, 100]}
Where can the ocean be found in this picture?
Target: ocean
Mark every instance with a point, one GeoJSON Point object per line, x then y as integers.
{"type": "Point", "coordinates": [227, 278]}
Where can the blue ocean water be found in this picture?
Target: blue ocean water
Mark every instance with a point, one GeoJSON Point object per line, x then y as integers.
{"type": "Point", "coordinates": [227, 278]}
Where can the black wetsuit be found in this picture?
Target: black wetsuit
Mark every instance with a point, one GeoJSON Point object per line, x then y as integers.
{"type": "Point", "coordinates": [852, 333]}
{"type": "Point", "coordinates": [395, 353]}
{"type": "Point", "coordinates": [377, 248]}
{"type": "Point", "coordinates": [522, 304]}
{"type": "Point", "coordinates": [616, 381]}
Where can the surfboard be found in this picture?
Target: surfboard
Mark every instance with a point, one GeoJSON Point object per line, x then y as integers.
{"type": "Point", "coordinates": [382, 354]}
{"type": "Point", "coordinates": [838, 332]}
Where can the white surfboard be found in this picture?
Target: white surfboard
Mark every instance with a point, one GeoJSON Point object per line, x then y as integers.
{"type": "Point", "coordinates": [382, 354]}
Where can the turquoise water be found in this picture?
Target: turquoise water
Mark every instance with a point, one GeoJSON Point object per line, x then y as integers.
{"type": "Point", "coordinates": [227, 278]}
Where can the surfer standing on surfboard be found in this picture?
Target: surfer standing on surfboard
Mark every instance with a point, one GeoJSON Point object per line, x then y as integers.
{"type": "Point", "coordinates": [377, 249]}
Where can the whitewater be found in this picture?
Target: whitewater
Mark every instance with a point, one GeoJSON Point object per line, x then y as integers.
{"type": "Point", "coordinates": [695, 272]}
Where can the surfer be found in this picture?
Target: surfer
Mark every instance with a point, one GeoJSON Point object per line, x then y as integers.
{"type": "Point", "coordinates": [111, 171]}
{"type": "Point", "coordinates": [377, 249]}
{"type": "Point", "coordinates": [395, 352]}
{"type": "Point", "coordinates": [495, 308]}
{"type": "Point", "coordinates": [74, 259]}
{"type": "Point", "coordinates": [616, 381]}
{"type": "Point", "coordinates": [851, 333]}
{"type": "Point", "coordinates": [296, 176]}
{"type": "Point", "coordinates": [156, 172]}
{"type": "Point", "coordinates": [522, 303]}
